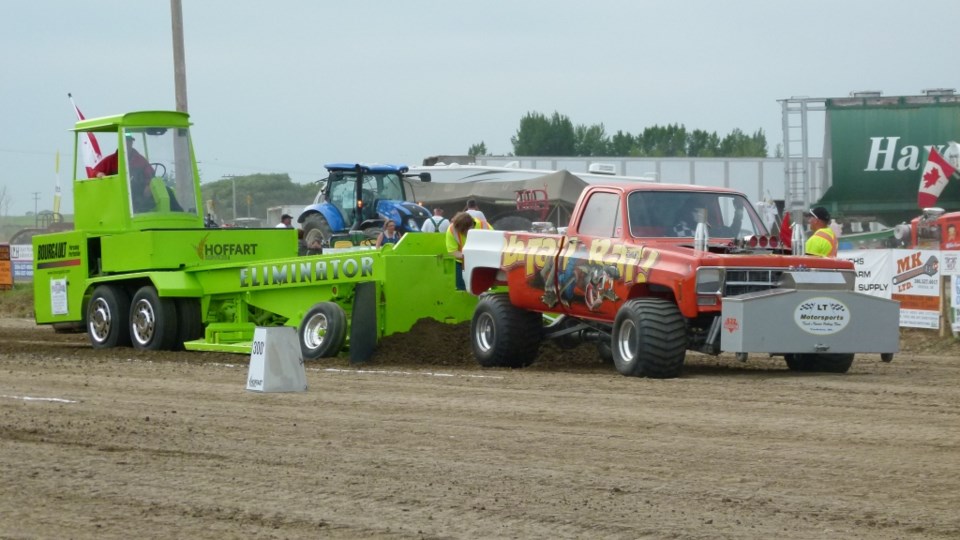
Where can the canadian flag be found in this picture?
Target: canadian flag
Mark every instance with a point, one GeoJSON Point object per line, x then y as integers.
{"type": "Point", "coordinates": [936, 174]}
{"type": "Point", "coordinates": [88, 144]}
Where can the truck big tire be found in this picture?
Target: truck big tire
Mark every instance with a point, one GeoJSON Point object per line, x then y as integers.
{"type": "Point", "coordinates": [322, 331]}
{"type": "Point", "coordinates": [649, 339]}
{"type": "Point", "coordinates": [824, 363]}
{"type": "Point", "coordinates": [107, 314]}
{"type": "Point", "coordinates": [315, 227]}
{"type": "Point", "coordinates": [503, 335]}
{"type": "Point", "coordinates": [153, 321]}
{"type": "Point", "coordinates": [189, 321]}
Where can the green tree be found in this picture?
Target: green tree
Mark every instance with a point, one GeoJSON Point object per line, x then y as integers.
{"type": "Point", "coordinates": [539, 136]}
{"type": "Point", "coordinates": [739, 144]}
{"type": "Point", "coordinates": [265, 191]}
{"type": "Point", "coordinates": [623, 144]}
{"type": "Point", "coordinates": [479, 149]}
{"type": "Point", "coordinates": [703, 144]}
{"type": "Point", "coordinates": [591, 141]}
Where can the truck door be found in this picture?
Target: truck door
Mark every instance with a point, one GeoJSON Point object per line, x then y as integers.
{"type": "Point", "coordinates": [587, 267]}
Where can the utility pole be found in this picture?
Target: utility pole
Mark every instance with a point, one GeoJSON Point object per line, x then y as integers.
{"type": "Point", "coordinates": [181, 151]}
{"type": "Point", "coordinates": [36, 216]}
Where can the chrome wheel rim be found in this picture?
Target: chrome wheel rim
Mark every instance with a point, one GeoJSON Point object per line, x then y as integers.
{"type": "Point", "coordinates": [486, 332]}
{"type": "Point", "coordinates": [143, 323]}
{"type": "Point", "coordinates": [626, 340]}
{"type": "Point", "coordinates": [99, 320]}
{"type": "Point", "coordinates": [315, 331]}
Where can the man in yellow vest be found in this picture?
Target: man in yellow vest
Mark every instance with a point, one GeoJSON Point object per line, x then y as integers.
{"type": "Point", "coordinates": [823, 241]}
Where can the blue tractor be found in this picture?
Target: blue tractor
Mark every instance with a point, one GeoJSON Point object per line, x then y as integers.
{"type": "Point", "coordinates": [354, 202]}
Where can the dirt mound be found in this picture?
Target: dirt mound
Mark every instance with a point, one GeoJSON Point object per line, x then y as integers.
{"type": "Point", "coordinates": [435, 343]}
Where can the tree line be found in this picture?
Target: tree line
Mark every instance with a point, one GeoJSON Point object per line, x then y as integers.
{"type": "Point", "coordinates": [539, 135]}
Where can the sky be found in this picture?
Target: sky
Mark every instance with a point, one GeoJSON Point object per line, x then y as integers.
{"type": "Point", "coordinates": [288, 85]}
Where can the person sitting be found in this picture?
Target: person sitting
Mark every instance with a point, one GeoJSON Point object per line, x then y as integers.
{"type": "Point", "coordinates": [389, 235]}
{"type": "Point", "coordinates": [136, 163]}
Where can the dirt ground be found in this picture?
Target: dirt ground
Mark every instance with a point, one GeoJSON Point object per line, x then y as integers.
{"type": "Point", "coordinates": [422, 443]}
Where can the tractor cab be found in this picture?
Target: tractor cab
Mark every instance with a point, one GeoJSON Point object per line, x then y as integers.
{"type": "Point", "coordinates": [145, 176]}
{"type": "Point", "coordinates": [355, 201]}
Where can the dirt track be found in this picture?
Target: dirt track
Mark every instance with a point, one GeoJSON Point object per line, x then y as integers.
{"type": "Point", "coordinates": [169, 445]}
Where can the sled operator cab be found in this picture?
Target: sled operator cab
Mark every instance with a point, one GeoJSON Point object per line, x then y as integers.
{"type": "Point", "coordinates": [146, 177]}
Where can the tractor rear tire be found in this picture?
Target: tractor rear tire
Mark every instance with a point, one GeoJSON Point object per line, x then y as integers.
{"type": "Point", "coordinates": [649, 339]}
{"type": "Point", "coordinates": [823, 363]}
{"type": "Point", "coordinates": [153, 321]}
{"type": "Point", "coordinates": [323, 331]}
{"type": "Point", "coordinates": [503, 335]}
{"type": "Point", "coordinates": [107, 317]}
{"type": "Point", "coordinates": [316, 227]}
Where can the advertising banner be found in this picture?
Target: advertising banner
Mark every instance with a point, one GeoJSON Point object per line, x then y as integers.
{"type": "Point", "coordinates": [876, 150]}
{"type": "Point", "coordinates": [21, 257]}
{"type": "Point", "coordinates": [874, 270]}
{"type": "Point", "coordinates": [916, 285]}
{"type": "Point", "coordinates": [951, 263]}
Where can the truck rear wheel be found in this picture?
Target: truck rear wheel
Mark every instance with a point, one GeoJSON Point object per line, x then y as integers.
{"type": "Point", "coordinates": [649, 339]}
{"type": "Point", "coordinates": [107, 315]}
{"type": "Point", "coordinates": [825, 363]}
{"type": "Point", "coordinates": [322, 331]}
{"type": "Point", "coordinates": [503, 335]}
{"type": "Point", "coordinates": [153, 321]}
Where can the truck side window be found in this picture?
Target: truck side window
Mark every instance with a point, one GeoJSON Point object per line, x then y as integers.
{"type": "Point", "coordinates": [601, 215]}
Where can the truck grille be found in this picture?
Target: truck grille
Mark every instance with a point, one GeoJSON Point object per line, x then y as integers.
{"type": "Point", "coordinates": [746, 280]}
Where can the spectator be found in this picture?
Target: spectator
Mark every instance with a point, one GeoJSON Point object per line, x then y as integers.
{"type": "Point", "coordinates": [475, 211]}
{"type": "Point", "coordinates": [285, 222]}
{"type": "Point", "coordinates": [389, 235]}
{"type": "Point", "coordinates": [436, 223]}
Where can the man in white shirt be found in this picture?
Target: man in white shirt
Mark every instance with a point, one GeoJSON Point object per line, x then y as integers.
{"type": "Point", "coordinates": [285, 222]}
{"type": "Point", "coordinates": [475, 211]}
{"type": "Point", "coordinates": [437, 223]}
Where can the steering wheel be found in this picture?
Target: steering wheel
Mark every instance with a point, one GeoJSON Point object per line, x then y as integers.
{"type": "Point", "coordinates": [159, 169]}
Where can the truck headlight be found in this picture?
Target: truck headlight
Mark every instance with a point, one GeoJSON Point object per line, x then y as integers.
{"type": "Point", "coordinates": [709, 281]}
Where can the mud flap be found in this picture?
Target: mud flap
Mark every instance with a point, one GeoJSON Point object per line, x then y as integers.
{"type": "Point", "coordinates": [363, 322]}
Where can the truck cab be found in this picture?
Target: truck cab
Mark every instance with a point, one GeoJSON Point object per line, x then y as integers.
{"type": "Point", "coordinates": [354, 202]}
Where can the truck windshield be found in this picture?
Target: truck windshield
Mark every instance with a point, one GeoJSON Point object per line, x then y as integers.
{"type": "Point", "coordinates": [159, 168]}
{"type": "Point", "coordinates": [676, 213]}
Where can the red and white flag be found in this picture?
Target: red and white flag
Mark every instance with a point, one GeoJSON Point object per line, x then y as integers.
{"type": "Point", "coordinates": [936, 174]}
{"type": "Point", "coordinates": [88, 144]}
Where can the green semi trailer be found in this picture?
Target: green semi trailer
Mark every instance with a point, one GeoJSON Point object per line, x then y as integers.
{"type": "Point", "coordinates": [140, 268]}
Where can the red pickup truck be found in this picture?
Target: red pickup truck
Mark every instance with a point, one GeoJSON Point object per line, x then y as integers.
{"type": "Point", "coordinates": [649, 271]}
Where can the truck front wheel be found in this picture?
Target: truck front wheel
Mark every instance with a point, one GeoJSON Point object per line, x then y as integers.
{"type": "Point", "coordinates": [322, 331]}
{"type": "Point", "coordinates": [504, 335]}
{"type": "Point", "coordinates": [153, 321]}
{"type": "Point", "coordinates": [107, 317]}
{"type": "Point", "coordinates": [825, 363]}
{"type": "Point", "coordinates": [649, 339]}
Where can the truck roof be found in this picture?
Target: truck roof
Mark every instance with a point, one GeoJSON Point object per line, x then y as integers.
{"type": "Point", "coordinates": [644, 186]}
{"type": "Point", "coordinates": [134, 119]}
{"type": "Point", "coordinates": [372, 167]}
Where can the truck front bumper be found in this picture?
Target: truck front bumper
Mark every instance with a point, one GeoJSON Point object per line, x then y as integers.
{"type": "Point", "coordinates": [783, 321]}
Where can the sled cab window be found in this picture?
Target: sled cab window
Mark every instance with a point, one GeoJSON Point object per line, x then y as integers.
{"type": "Point", "coordinates": [601, 215]}
{"type": "Point", "coordinates": [158, 166]}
